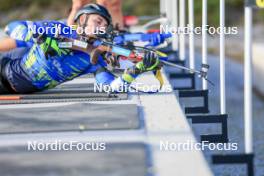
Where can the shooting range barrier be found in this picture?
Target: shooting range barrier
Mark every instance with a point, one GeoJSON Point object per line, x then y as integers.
{"type": "Point", "coordinates": [64, 93]}
{"type": "Point", "coordinates": [72, 117]}
{"type": "Point", "coordinates": [118, 159]}
{"type": "Point", "coordinates": [134, 126]}
{"type": "Point", "coordinates": [168, 10]}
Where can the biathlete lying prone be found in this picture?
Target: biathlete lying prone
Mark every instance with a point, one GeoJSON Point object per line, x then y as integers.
{"type": "Point", "coordinates": [32, 62]}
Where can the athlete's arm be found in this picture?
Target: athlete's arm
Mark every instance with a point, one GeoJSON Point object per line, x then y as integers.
{"type": "Point", "coordinates": [76, 5]}
{"type": "Point", "coordinates": [7, 44]}
{"type": "Point", "coordinates": [104, 77]}
{"type": "Point", "coordinates": [153, 39]}
{"type": "Point", "coordinates": [18, 30]}
{"type": "Point", "coordinates": [115, 9]}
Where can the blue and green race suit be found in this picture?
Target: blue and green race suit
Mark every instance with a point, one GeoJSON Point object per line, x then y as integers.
{"type": "Point", "coordinates": [39, 69]}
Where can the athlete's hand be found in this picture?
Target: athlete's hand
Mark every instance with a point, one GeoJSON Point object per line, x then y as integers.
{"type": "Point", "coordinates": [150, 61]}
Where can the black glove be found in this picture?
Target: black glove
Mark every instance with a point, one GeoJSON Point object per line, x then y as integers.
{"type": "Point", "coordinates": [150, 61]}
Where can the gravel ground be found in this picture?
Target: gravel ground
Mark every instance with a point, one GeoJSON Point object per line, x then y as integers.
{"type": "Point", "coordinates": [234, 43]}
{"type": "Point", "coordinates": [234, 104]}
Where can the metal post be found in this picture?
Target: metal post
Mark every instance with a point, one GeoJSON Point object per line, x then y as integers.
{"type": "Point", "coordinates": [204, 39]}
{"type": "Point", "coordinates": [191, 36]}
{"type": "Point", "coordinates": [222, 58]}
{"type": "Point", "coordinates": [248, 81]}
{"type": "Point", "coordinates": [168, 9]}
{"type": "Point", "coordinates": [175, 39]}
{"type": "Point", "coordinates": [162, 7]}
{"type": "Point", "coordinates": [182, 25]}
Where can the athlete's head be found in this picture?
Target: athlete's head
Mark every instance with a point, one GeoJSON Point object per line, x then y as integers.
{"type": "Point", "coordinates": [93, 18]}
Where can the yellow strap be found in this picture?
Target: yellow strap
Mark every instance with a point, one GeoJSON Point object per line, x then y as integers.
{"type": "Point", "coordinates": [160, 78]}
{"type": "Point", "coordinates": [161, 54]}
{"type": "Point", "coordinates": [128, 78]}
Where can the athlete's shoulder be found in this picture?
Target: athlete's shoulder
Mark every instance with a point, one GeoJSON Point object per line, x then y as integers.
{"type": "Point", "coordinates": [16, 27]}
{"type": "Point", "coordinates": [49, 26]}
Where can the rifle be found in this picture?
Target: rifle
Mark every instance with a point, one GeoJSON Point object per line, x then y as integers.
{"type": "Point", "coordinates": [112, 54]}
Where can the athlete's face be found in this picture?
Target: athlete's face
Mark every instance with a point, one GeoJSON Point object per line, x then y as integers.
{"type": "Point", "coordinates": [95, 24]}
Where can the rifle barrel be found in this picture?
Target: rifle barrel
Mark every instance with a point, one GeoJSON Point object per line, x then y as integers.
{"type": "Point", "coordinates": [180, 67]}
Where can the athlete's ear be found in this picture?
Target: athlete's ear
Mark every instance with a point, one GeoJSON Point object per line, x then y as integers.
{"type": "Point", "coordinates": [82, 19]}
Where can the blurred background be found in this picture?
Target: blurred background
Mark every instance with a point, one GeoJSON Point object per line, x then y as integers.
{"type": "Point", "coordinates": [50, 9]}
